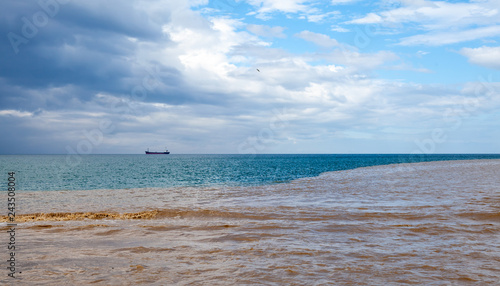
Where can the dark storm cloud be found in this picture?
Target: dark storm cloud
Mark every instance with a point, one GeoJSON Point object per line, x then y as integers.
{"type": "Point", "coordinates": [120, 17]}
{"type": "Point", "coordinates": [25, 139]}
{"type": "Point", "coordinates": [86, 47]}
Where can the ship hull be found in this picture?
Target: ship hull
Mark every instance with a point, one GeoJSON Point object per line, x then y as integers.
{"type": "Point", "coordinates": [157, 153]}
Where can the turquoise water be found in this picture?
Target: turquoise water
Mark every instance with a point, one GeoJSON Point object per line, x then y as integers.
{"type": "Point", "coordinates": [63, 172]}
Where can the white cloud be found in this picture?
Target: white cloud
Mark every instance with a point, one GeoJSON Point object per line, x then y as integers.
{"type": "Point", "coordinates": [422, 53]}
{"type": "Point", "coordinates": [342, 2]}
{"type": "Point", "coordinates": [321, 40]}
{"type": "Point", "coordinates": [355, 61]}
{"type": "Point", "coordinates": [437, 14]}
{"type": "Point", "coordinates": [371, 18]}
{"type": "Point", "coordinates": [445, 37]}
{"type": "Point", "coordinates": [483, 56]}
{"type": "Point", "coordinates": [204, 52]}
{"type": "Point", "coordinates": [267, 31]}
{"type": "Point", "coordinates": [15, 113]}
{"type": "Point", "coordinates": [442, 22]}
{"type": "Point", "coordinates": [339, 29]}
{"type": "Point", "coordinates": [318, 16]}
{"type": "Point", "coordinates": [267, 7]}
{"type": "Point", "coordinates": [303, 9]}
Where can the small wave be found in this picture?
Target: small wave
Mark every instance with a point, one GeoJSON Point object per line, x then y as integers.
{"type": "Point", "coordinates": [488, 216]}
{"type": "Point", "coordinates": [207, 213]}
{"type": "Point", "coordinates": [142, 249]}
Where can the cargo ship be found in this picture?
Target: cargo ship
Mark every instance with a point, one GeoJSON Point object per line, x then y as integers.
{"type": "Point", "coordinates": [156, 153]}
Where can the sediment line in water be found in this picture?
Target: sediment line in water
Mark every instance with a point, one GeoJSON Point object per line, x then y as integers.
{"type": "Point", "coordinates": [151, 214]}
{"type": "Point", "coordinates": [80, 216]}
{"type": "Point", "coordinates": [253, 214]}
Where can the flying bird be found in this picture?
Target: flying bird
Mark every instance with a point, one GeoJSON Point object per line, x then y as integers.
{"type": "Point", "coordinates": [258, 70]}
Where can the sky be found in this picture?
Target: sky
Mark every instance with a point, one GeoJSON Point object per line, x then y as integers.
{"type": "Point", "coordinates": [249, 76]}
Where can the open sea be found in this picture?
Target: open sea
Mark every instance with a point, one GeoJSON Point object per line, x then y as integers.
{"type": "Point", "coordinates": [89, 172]}
{"type": "Point", "coordinates": [254, 220]}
